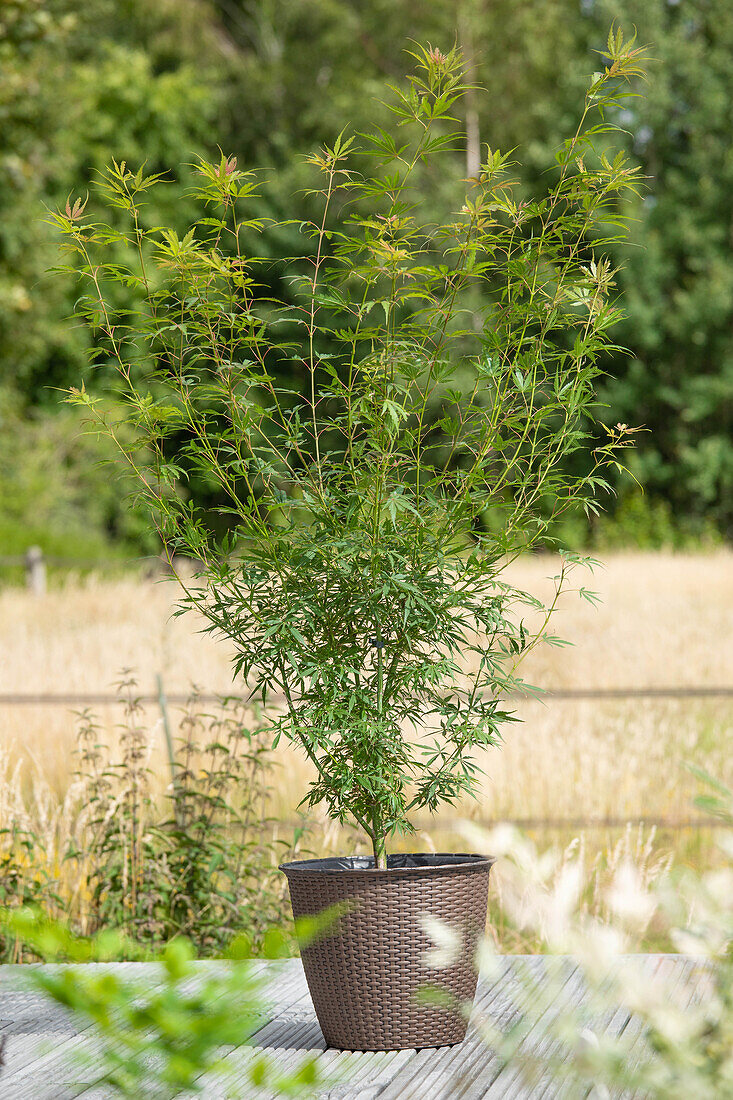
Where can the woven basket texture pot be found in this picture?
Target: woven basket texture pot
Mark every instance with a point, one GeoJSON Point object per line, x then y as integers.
{"type": "Point", "coordinates": [364, 976]}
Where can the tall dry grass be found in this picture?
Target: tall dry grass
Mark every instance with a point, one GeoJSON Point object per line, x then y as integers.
{"type": "Point", "coordinates": [664, 619]}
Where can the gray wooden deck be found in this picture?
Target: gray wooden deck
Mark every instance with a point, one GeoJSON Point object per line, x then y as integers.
{"type": "Point", "coordinates": [42, 1040]}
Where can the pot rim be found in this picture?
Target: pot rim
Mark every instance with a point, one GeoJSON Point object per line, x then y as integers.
{"type": "Point", "coordinates": [430, 862]}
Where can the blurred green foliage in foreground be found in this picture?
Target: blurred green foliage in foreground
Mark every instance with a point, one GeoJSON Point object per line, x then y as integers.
{"type": "Point", "coordinates": [157, 1034]}
{"type": "Point", "coordinates": [269, 80]}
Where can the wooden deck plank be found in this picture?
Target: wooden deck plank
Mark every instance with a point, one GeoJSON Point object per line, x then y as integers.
{"type": "Point", "coordinates": [38, 1054]}
{"type": "Point", "coordinates": [514, 1080]}
{"type": "Point", "coordinates": [366, 1079]}
{"type": "Point", "coordinates": [424, 1064]}
{"type": "Point", "coordinates": [501, 1077]}
{"type": "Point", "coordinates": [298, 1038]}
{"type": "Point", "coordinates": [43, 1040]}
{"type": "Point", "coordinates": [284, 988]}
{"type": "Point", "coordinates": [541, 1045]}
{"type": "Point", "coordinates": [667, 968]}
{"type": "Point", "coordinates": [607, 1021]}
{"type": "Point", "coordinates": [41, 1065]}
{"type": "Point", "coordinates": [682, 977]}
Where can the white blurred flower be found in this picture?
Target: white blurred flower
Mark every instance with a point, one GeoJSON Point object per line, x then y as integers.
{"type": "Point", "coordinates": [705, 945]}
{"type": "Point", "coordinates": [725, 843]}
{"type": "Point", "coordinates": [680, 1044]}
{"type": "Point", "coordinates": [587, 1044]}
{"type": "Point", "coordinates": [719, 886]}
{"type": "Point", "coordinates": [587, 1040]}
{"type": "Point", "coordinates": [628, 897]}
{"type": "Point", "coordinates": [448, 943]}
{"type": "Point", "coordinates": [488, 962]}
{"type": "Point", "coordinates": [597, 946]}
{"type": "Point", "coordinates": [561, 905]}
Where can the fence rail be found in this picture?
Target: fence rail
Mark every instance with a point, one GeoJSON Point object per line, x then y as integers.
{"type": "Point", "coordinates": [162, 699]}
{"type": "Point", "coordinates": [527, 824]}
{"type": "Point", "coordinates": [92, 699]}
{"type": "Point", "coordinates": [35, 553]}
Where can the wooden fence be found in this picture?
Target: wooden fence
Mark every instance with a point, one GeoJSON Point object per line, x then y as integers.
{"type": "Point", "coordinates": [162, 700]}
{"type": "Point", "coordinates": [103, 699]}
{"type": "Point", "coordinates": [35, 564]}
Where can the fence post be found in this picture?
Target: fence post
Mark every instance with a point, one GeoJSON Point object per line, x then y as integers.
{"type": "Point", "coordinates": [35, 571]}
{"type": "Point", "coordinates": [170, 749]}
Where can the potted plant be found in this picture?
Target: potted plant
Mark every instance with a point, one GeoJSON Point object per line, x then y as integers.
{"type": "Point", "coordinates": [382, 422]}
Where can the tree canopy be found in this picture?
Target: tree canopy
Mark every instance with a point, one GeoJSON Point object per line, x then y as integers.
{"type": "Point", "coordinates": [268, 81]}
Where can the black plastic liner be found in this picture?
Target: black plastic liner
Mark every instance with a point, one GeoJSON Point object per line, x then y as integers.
{"type": "Point", "coordinates": [399, 861]}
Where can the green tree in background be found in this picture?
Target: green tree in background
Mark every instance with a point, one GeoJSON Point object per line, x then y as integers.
{"type": "Point", "coordinates": [73, 98]}
{"type": "Point", "coordinates": [162, 81]}
{"type": "Point", "coordinates": [677, 285]}
{"type": "Point", "coordinates": [74, 92]}
{"type": "Point", "coordinates": [32, 333]}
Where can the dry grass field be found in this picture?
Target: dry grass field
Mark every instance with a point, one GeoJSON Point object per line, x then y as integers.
{"type": "Point", "coordinates": [664, 619]}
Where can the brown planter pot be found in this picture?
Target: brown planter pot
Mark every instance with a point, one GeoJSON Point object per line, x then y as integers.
{"type": "Point", "coordinates": [365, 975]}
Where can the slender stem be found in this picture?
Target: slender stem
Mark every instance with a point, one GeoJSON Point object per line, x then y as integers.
{"type": "Point", "coordinates": [378, 836]}
{"type": "Point", "coordinates": [379, 850]}
{"type": "Point", "coordinates": [312, 325]}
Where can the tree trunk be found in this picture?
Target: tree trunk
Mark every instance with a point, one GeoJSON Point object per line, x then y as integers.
{"type": "Point", "coordinates": [380, 855]}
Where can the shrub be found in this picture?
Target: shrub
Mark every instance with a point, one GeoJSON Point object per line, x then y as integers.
{"type": "Point", "coordinates": [383, 436]}
{"type": "Point", "coordinates": [202, 863]}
